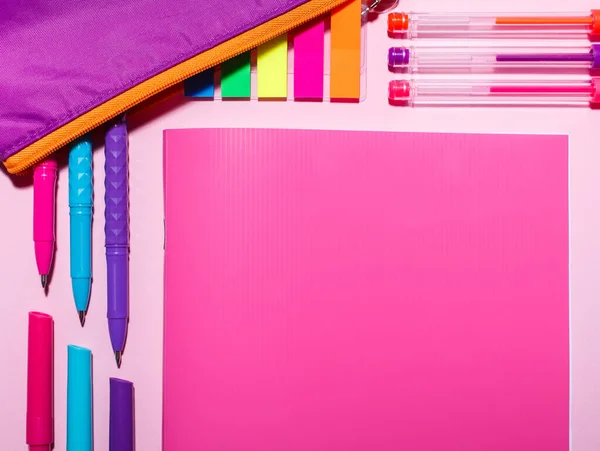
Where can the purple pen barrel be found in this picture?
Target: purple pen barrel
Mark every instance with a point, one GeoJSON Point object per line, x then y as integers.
{"type": "Point", "coordinates": [116, 231]}
{"type": "Point", "coordinates": [117, 259]}
{"type": "Point", "coordinates": [490, 59]}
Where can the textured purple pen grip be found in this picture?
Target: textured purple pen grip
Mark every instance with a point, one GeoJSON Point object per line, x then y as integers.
{"type": "Point", "coordinates": [116, 197]}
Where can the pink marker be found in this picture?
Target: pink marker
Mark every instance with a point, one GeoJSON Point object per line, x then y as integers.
{"type": "Point", "coordinates": [44, 193]}
{"type": "Point", "coordinates": [40, 416]}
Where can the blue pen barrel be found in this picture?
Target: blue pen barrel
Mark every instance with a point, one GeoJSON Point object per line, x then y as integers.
{"type": "Point", "coordinates": [81, 234]}
{"type": "Point", "coordinates": [81, 255]}
{"type": "Point", "coordinates": [81, 203]}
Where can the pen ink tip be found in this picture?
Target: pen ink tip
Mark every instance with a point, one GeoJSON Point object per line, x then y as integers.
{"type": "Point", "coordinates": [81, 318]}
{"type": "Point", "coordinates": [44, 280]}
{"type": "Point", "coordinates": [118, 358]}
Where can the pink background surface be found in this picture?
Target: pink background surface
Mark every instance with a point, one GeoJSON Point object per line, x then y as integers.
{"type": "Point", "coordinates": [345, 291]}
{"type": "Point", "coordinates": [142, 363]}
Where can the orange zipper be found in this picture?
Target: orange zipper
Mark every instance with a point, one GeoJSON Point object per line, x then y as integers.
{"type": "Point", "coordinates": [23, 160]}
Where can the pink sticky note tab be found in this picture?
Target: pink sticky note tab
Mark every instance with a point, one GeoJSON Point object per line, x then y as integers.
{"type": "Point", "coordinates": [354, 291]}
{"type": "Point", "coordinates": [309, 61]}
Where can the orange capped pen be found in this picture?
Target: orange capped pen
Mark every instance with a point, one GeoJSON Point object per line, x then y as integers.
{"type": "Point", "coordinates": [563, 25]}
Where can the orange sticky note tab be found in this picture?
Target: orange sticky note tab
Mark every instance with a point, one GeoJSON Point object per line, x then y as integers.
{"type": "Point", "coordinates": [345, 51]}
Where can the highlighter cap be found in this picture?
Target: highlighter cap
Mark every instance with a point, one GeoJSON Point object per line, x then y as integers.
{"type": "Point", "coordinates": [595, 102]}
{"type": "Point", "coordinates": [595, 52]}
{"type": "Point", "coordinates": [398, 57]}
{"type": "Point", "coordinates": [399, 90]}
{"type": "Point", "coordinates": [121, 435]}
{"type": "Point", "coordinates": [398, 23]}
{"type": "Point", "coordinates": [595, 26]}
{"type": "Point", "coordinates": [40, 380]}
{"type": "Point", "coordinates": [79, 399]}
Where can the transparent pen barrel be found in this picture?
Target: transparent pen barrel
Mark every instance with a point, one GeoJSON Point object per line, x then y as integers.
{"type": "Point", "coordinates": [437, 59]}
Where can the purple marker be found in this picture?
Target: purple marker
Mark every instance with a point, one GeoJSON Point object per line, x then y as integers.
{"type": "Point", "coordinates": [584, 58]}
{"type": "Point", "coordinates": [122, 423]}
{"type": "Point", "coordinates": [116, 230]}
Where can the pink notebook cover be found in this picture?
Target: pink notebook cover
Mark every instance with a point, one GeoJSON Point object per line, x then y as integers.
{"type": "Point", "coordinates": [346, 291]}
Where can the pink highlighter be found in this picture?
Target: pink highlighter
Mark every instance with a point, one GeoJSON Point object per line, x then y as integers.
{"type": "Point", "coordinates": [44, 193]}
{"type": "Point", "coordinates": [40, 382]}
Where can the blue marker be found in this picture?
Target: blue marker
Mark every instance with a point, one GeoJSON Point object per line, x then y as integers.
{"type": "Point", "coordinates": [79, 399]}
{"type": "Point", "coordinates": [80, 206]}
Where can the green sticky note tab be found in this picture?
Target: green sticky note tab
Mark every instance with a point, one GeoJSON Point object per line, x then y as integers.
{"type": "Point", "coordinates": [235, 76]}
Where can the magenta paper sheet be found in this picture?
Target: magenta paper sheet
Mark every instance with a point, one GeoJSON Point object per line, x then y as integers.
{"type": "Point", "coordinates": [354, 291]}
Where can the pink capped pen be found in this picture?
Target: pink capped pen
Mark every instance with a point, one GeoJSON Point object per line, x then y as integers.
{"type": "Point", "coordinates": [494, 92]}
{"type": "Point", "coordinates": [44, 193]}
{"type": "Point", "coordinates": [40, 383]}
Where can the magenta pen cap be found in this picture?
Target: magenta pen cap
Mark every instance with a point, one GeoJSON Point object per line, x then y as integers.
{"type": "Point", "coordinates": [121, 429]}
{"type": "Point", "coordinates": [399, 90]}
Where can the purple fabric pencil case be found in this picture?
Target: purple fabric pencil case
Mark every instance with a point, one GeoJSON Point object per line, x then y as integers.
{"type": "Point", "coordinates": [69, 65]}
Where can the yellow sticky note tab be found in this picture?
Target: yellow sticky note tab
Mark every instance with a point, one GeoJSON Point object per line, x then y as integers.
{"type": "Point", "coordinates": [272, 68]}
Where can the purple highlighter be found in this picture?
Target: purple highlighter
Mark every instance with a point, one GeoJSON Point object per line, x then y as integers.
{"type": "Point", "coordinates": [582, 59]}
{"type": "Point", "coordinates": [122, 423]}
{"type": "Point", "coordinates": [116, 230]}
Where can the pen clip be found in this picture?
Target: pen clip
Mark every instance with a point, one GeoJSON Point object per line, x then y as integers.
{"type": "Point", "coordinates": [377, 6]}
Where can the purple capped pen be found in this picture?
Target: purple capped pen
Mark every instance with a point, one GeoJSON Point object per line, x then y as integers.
{"type": "Point", "coordinates": [584, 58]}
{"type": "Point", "coordinates": [121, 422]}
{"type": "Point", "coordinates": [116, 230]}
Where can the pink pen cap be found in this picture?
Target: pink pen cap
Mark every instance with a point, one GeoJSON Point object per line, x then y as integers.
{"type": "Point", "coordinates": [44, 193]}
{"type": "Point", "coordinates": [40, 382]}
